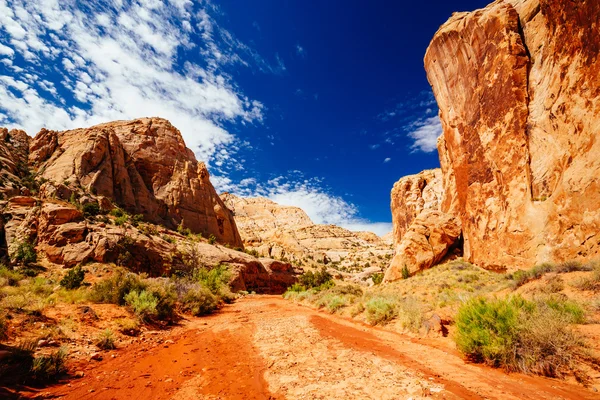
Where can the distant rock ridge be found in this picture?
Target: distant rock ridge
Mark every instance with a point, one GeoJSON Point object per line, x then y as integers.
{"type": "Point", "coordinates": [518, 88]}
{"type": "Point", "coordinates": [275, 230]}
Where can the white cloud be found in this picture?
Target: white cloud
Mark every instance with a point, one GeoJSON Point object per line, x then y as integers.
{"type": "Point", "coordinates": [300, 51]}
{"type": "Point", "coordinates": [122, 61]}
{"type": "Point", "coordinates": [321, 206]}
{"type": "Point", "coordinates": [387, 160]}
{"type": "Point", "coordinates": [425, 133]}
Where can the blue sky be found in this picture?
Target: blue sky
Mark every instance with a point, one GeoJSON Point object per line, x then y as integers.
{"type": "Point", "coordinates": [319, 104]}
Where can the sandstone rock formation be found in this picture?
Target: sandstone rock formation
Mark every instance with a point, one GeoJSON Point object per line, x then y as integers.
{"type": "Point", "coordinates": [286, 232]}
{"type": "Point", "coordinates": [518, 87]}
{"type": "Point", "coordinates": [423, 234]}
{"type": "Point", "coordinates": [430, 236]}
{"type": "Point", "coordinates": [14, 147]}
{"type": "Point", "coordinates": [413, 194]}
{"type": "Point", "coordinates": [143, 166]}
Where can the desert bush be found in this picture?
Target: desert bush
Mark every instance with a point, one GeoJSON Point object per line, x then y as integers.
{"type": "Point", "coordinates": [377, 278]}
{"type": "Point", "coordinates": [521, 277]}
{"type": "Point", "coordinates": [335, 302]}
{"type": "Point", "coordinates": [315, 279]}
{"type": "Point", "coordinates": [106, 340]}
{"type": "Point", "coordinates": [49, 367]}
{"type": "Point", "coordinates": [405, 272]}
{"type": "Point", "coordinates": [128, 326]}
{"type": "Point", "coordinates": [117, 212]}
{"type": "Point", "coordinates": [91, 209]}
{"type": "Point", "coordinates": [380, 310]}
{"type": "Point", "coordinates": [137, 219]}
{"type": "Point", "coordinates": [12, 277]}
{"type": "Point", "coordinates": [143, 304]}
{"type": "Point", "coordinates": [410, 313]}
{"type": "Point", "coordinates": [25, 253]}
{"type": "Point", "coordinates": [164, 290]}
{"type": "Point", "coordinates": [73, 278]}
{"type": "Point", "coordinates": [252, 252]}
{"type": "Point", "coordinates": [114, 289]}
{"type": "Point", "coordinates": [297, 288]}
{"type": "Point", "coordinates": [517, 334]}
{"type": "Point", "coordinates": [215, 279]}
{"type": "Point", "coordinates": [569, 309]}
{"type": "Point", "coordinates": [122, 220]}
{"type": "Point", "coordinates": [589, 282]}
{"type": "Point", "coordinates": [198, 300]}
{"type": "Point", "coordinates": [212, 239]}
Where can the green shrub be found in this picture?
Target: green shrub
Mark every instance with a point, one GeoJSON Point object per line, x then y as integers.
{"type": "Point", "coordinates": [212, 239]}
{"type": "Point", "coordinates": [128, 326]}
{"type": "Point", "coordinates": [252, 252]}
{"type": "Point", "coordinates": [143, 304]}
{"type": "Point", "coordinates": [117, 212]}
{"type": "Point", "coordinates": [73, 278]}
{"type": "Point", "coordinates": [49, 367]}
{"type": "Point", "coordinates": [410, 314]}
{"type": "Point", "coordinates": [380, 310]}
{"type": "Point", "coordinates": [114, 289]}
{"type": "Point", "coordinates": [198, 300]}
{"type": "Point", "coordinates": [518, 335]}
{"type": "Point", "coordinates": [12, 277]}
{"type": "Point", "coordinates": [377, 278]}
{"type": "Point", "coordinates": [137, 219]}
{"type": "Point", "coordinates": [590, 282]}
{"type": "Point", "coordinates": [569, 309]}
{"type": "Point", "coordinates": [164, 291]}
{"type": "Point", "coordinates": [315, 279]}
{"type": "Point", "coordinates": [215, 279]}
{"type": "Point", "coordinates": [25, 253]}
{"type": "Point", "coordinates": [296, 287]}
{"type": "Point", "coordinates": [122, 220]}
{"type": "Point", "coordinates": [335, 302]}
{"type": "Point", "coordinates": [106, 340]}
{"type": "Point", "coordinates": [91, 209]}
{"type": "Point", "coordinates": [405, 272]}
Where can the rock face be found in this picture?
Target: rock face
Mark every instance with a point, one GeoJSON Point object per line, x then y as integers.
{"type": "Point", "coordinates": [280, 231]}
{"type": "Point", "coordinates": [412, 195]}
{"type": "Point", "coordinates": [143, 166]}
{"type": "Point", "coordinates": [14, 147]}
{"type": "Point", "coordinates": [430, 236]}
{"type": "Point", "coordinates": [423, 234]}
{"type": "Point", "coordinates": [518, 87]}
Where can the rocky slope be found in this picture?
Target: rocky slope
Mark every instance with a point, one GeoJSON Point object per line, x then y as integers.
{"type": "Point", "coordinates": [77, 177]}
{"type": "Point", "coordinates": [286, 232]}
{"type": "Point", "coordinates": [518, 88]}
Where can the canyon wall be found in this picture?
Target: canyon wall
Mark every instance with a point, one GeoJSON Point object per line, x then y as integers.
{"type": "Point", "coordinates": [518, 87]}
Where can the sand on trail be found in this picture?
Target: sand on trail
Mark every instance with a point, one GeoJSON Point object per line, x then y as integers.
{"type": "Point", "coordinates": [264, 347]}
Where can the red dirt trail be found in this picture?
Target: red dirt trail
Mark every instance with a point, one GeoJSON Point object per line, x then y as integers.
{"type": "Point", "coordinates": [263, 347]}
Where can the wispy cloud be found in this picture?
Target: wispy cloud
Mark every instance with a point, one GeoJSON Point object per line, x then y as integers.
{"type": "Point", "coordinates": [387, 160]}
{"type": "Point", "coordinates": [311, 195]}
{"type": "Point", "coordinates": [300, 51]}
{"type": "Point", "coordinates": [70, 64]}
{"type": "Point", "coordinates": [415, 118]}
{"type": "Point", "coordinates": [425, 133]}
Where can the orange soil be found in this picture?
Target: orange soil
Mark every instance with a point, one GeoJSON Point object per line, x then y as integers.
{"type": "Point", "coordinates": [264, 347]}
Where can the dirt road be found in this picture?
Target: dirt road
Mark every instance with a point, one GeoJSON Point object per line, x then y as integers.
{"type": "Point", "coordinates": [264, 347]}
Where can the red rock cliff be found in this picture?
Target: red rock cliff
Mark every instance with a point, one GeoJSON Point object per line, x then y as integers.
{"type": "Point", "coordinates": [144, 167]}
{"type": "Point", "coordinates": [518, 87]}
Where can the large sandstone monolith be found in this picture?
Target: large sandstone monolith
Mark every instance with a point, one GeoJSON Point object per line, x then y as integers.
{"type": "Point", "coordinates": [141, 165]}
{"type": "Point", "coordinates": [518, 87]}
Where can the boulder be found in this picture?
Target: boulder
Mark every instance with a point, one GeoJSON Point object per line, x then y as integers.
{"type": "Point", "coordinates": [413, 194]}
{"type": "Point", "coordinates": [429, 238]}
